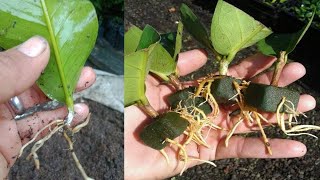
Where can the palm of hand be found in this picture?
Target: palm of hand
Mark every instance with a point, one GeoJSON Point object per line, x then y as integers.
{"type": "Point", "coordinates": [14, 134]}
{"type": "Point", "coordinates": [143, 161]}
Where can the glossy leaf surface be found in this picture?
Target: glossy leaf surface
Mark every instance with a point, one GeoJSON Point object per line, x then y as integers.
{"type": "Point", "coordinates": [74, 27]}
{"type": "Point", "coordinates": [232, 29]}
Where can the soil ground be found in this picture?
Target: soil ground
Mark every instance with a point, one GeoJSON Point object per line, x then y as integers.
{"type": "Point", "coordinates": [162, 15]}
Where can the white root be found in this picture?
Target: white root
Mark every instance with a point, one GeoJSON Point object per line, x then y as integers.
{"type": "Point", "coordinates": [39, 144]}
{"type": "Point", "coordinates": [231, 132]}
{"type": "Point", "coordinates": [198, 120]}
{"type": "Point", "coordinates": [60, 125]}
{"type": "Point", "coordinates": [38, 133]}
{"type": "Point", "coordinates": [294, 130]}
{"type": "Point", "coordinates": [75, 158]}
{"type": "Point", "coordinates": [165, 155]}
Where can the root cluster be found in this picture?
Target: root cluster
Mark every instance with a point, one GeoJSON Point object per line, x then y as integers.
{"type": "Point", "coordinates": [198, 120]}
{"type": "Point", "coordinates": [59, 126]}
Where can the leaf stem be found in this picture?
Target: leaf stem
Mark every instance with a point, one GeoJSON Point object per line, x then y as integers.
{"type": "Point", "coordinates": [223, 67]}
{"type": "Point", "coordinates": [224, 63]}
{"type": "Point", "coordinates": [69, 100]}
{"type": "Point", "coordinates": [148, 109]}
{"type": "Point", "coordinates": [282, 60]}
{"type": "Point", "coordinates": [175, 82]}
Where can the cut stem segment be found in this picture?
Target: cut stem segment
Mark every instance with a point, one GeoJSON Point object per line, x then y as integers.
{"type": "Point", "coordinates": [282, 60]}
{"type": "Point", "coordinates": [148, 109]}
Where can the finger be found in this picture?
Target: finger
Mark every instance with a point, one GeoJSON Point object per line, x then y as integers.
{"type": "Point", "coordinates": [4, 168]}
{"type": "Point", "coordinates": [34, 95]}
{"type": "Point", "coordinates": [306, 103]}
{"type": "Point", "coordinates": [87, 78]}
{"type": "Point", "coordinates": [29, 126]}
{"type": "Point", "coordinates": [9, 140]}
{"type": "Point", "coordinates": [21, 66]}
{"type": "Point", "coordinates": [251, 66]}
{"type": "Point", "coordinates": [290, 73]}
{"type": "Point", "coordinates": [190, 61]}
{"type": "Point", "coordinates": [240, 147]}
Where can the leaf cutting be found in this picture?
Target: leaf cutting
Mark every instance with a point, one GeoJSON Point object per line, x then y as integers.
{"type": "Point", "coordinates": [71, 29]}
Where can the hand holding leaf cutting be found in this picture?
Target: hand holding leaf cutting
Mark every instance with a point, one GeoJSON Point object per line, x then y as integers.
{"type": "Point", "coordinates": [18, 74]}
{"type": "Point", "coordinates": [71, 30]}
{"type": "Point", "coordinates": [70, 27]}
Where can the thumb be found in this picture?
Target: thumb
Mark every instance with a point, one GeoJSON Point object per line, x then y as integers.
{"type": "Point", "coordinates": [21, 66]}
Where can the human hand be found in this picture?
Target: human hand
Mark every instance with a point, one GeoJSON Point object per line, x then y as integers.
{"type": "Point", "coordinates": [143, 162]}
{"type": "Point", "coordinates": [20, 67]}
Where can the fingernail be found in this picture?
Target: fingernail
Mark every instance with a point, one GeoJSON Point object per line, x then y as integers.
{"type": "Point", "coordinates": [33, 47]}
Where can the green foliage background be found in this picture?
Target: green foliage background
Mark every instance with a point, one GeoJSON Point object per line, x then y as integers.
{"type": "Point", "coordinates": [301, 8]}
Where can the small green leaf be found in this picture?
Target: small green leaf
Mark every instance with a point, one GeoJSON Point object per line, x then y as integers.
{"type": "Point", "coordinates": [178, 44]}
{"type": "Point", "coordinates": [233, 29]}
{"type": "Point", "coordinates": [135, 72]}
{"type": "Point", "coordinates": [168, 41]}
{"type": "Point", "coordinates": [149, 36]}
{"type": "Point", "coordinates": [193, 25]}
{"type": "Point", "coordinates": [131, 39]}
{"type": "Point", "coordinates": [161, 62]}
{"type": "Point", "coordinates": [71, 28]}
{"type": "Point", "coordinates": [172, 41]}
{"type": "Point", "coordinates": [275, 43]}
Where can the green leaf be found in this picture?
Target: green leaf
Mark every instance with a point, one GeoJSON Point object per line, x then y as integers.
{"type": "Point", "coordinates": [149, 36]}
{"type": "Point", "coordinates": [233, 29]}
{"type": "Point", "coordinates": [172, 41]}
{"type": "Point", "coordinates": [161, 62]}
{"type": "Point", "coordinates": [193, 25]}
{"type": "Point", "coordinates": [136, 69]}
{"type": "Point", "coordinates": [131, 40]}
{"type": "Point", "coordinates": [275, 43]}
{"type": "Point", "coordinates": [71, 28]}
{"type": "Point", "coordinates": [178, 44]}
{"type": "Point", "coordinates": [168, 41]}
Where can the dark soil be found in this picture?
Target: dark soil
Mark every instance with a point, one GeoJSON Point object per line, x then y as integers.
{"type": "Point", "coordinates": [99, 147]}
{"type": "Point", "coordinates": [156, 13]}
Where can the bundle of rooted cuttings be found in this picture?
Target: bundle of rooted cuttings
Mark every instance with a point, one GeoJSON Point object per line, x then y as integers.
{"type": "Point", "coordinates": [193, 110]}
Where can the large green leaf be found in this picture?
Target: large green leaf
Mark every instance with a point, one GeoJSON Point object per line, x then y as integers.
{"type": "Point", "coordinates": [135, 72]}
{"type": "Point", "coordinates": [233, 29]}
{"type": "Point", "coordinates": [161, 62]}
{"type": "Point", "coordinates": [149, 36]}
{"type": "Point", "coordinates": [131, 40]}
{"type": "Point", "coordinates": [71, 28]}
{"type": "Point", "coordinates": [273, 44]}
{"type": "Point", "coordinates": [193, 25]}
